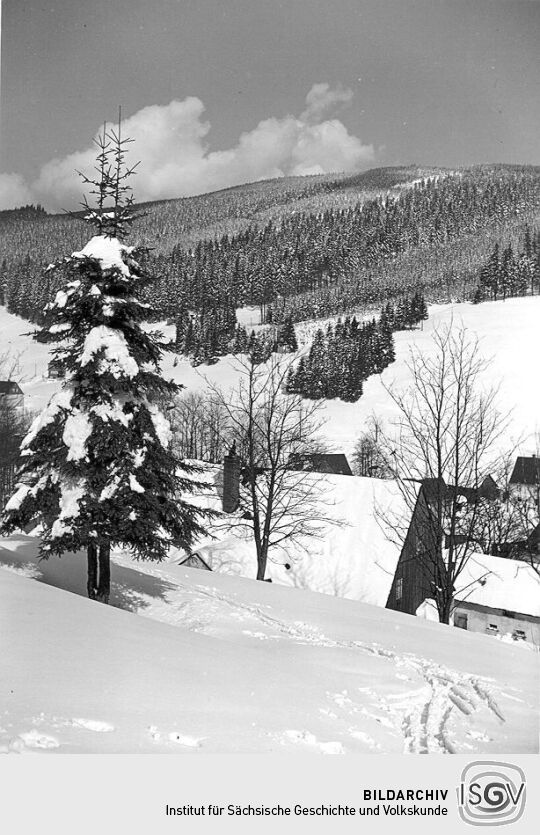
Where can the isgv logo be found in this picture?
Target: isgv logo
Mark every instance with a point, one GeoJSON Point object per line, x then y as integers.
{"type": "Point", "coordinates": [491, 793]}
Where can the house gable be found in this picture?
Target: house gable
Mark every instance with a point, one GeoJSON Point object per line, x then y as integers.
{"type": "Point", "coordinates": [526, 471]}
{"type": "Point", "coordinates": [415, 571]}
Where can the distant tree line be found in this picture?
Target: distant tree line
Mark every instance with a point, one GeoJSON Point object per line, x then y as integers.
{"type": "Point", "coordinates": [337, 254]}
{"type": "Point", "coordinates": [306, 264]}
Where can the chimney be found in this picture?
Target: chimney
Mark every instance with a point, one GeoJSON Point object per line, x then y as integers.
{"type": "Point", "coordinates": [231, 481]}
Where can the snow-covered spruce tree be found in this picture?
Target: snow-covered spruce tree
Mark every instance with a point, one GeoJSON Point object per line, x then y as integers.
{"type": "Point", "coordinates": [97, 469]}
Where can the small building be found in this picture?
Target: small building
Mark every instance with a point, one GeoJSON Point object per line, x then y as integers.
{"type": "Point", "coordinates": [331, 463]}
{"type": "Point", "coordinates": [499, 597]}
{"type": "Point", "coordinates": [195, 560]}
{"type": "Point", "coordinates": [11, 396]}
{"type": "Point", "coordinates": [56, 370]}
{"type": "Point", "coordinates": [526, 471]}
{"type": "Point", "coordinates": [525, 478]}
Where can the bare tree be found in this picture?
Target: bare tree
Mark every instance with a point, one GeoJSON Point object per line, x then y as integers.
{"type": "Point", "coordinates": [199, 424]}
{"type": "Point", "coordinates": [280, 505]}
{"type": "Point", "coordinates": [369, 458]}
{"type": "Point", "coordinates": [444, 444]}
{"type": "Point", "coordinates": [511, 516]}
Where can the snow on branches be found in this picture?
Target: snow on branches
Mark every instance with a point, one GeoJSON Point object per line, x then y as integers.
{"type": "Point", "coordinates": [97, 469]}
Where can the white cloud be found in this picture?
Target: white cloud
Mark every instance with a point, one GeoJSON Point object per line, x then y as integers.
{"type": "Point", "coordinates": [13, 191]}
{"type": "Point", "coordinates": [322, 98]}
{"type": "Point", "coordinates": [170, 141]}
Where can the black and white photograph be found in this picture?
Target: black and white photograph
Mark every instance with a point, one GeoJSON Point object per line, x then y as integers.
{"type": "Point", "coordinates": [269, 378]}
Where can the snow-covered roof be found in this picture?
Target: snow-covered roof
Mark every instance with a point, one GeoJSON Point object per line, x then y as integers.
{"type": "Point", "coordinates": [352, 558]}
{"type": "Point", "coordinates": [500, 583]}
{"type": "Point", "coordinates": [321, 462]}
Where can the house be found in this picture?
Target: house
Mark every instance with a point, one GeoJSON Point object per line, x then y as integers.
{"type": "Point", "coordinates": [11, 396]}
{"type": "Point", "coordinates": [56, 370]}
{"type": "Point", "coordinates": [417, 569]}
{"type": "Point", "coordinates": [351, 556]}
{"type": "Point", "coordinates": [334, 463]}
{"type": "Point", "coordinates": [195, 560]}
{"type": "Point", "coordinates": [525, 478]}
{"type": "Point", "coordinates": [356, 556]}
{"type": "Point", "coordinates": [492, 594]}
{"type": "Point", "coordinates": [11, 411]}
{"type": "Point", "coordinates": [496, 596]}
{"type": "Point", "coordinates": [526, 471]}
{"type": "Point", "coordinates": [412, 581]}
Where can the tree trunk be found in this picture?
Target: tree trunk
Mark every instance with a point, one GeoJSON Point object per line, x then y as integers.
{"type": "Point", "coordinates": [445, 611]}
{"type": "Point", "coordinates": [104, 585]}
{"type": "Point", "coordinates": [91, 584]}
{"type": "Point", "coordinates": [99, 572]}
{"type": "Point", "coordinates": [262, 558]}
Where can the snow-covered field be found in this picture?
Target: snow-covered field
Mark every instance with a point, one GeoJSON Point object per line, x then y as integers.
{"type": "Point", "coordinates": [509, 335]}
{"type": "Point", "coordinates": [185, 660]}
{"type": "Point", "coordinates": [200, 662]}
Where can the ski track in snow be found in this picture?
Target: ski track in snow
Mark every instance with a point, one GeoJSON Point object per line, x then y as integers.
{"type": "Point", "coordinates": [93, 725]}
{"type": "Point", "coordinates": [423, 716]}
{"type": "Point", "coordinates": [426, 718]}
{"type": "Point", "coordinates": [28, 741]}
{"type": "Point", "coordinates": [34, 739]}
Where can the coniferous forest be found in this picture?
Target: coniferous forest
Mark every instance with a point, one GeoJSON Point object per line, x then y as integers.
{"type": "Point", "coordinates": [341, 358]}
{"type": "Point", "coordinates": [508, 272]}
{"type": "Point", "coordinates": [305, 248]}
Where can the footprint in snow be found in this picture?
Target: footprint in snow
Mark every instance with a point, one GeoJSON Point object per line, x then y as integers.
{"type": "Point", "coordinates": [479, 736]}
{"type": "Point", "coordinates": [93, 725]}
{"type": "Point", "coordinates": [363, 737]}
{"type": "Point", "coordinates": [175, 736]}
{"type": "Point", "coordinates": [31, 739]}
{"type": "Point", "coordinates": [183, 739]}
{"type": "Point", "coordinates": [341, 699]}
{"type": "Point", "coordinates": [310, 739]}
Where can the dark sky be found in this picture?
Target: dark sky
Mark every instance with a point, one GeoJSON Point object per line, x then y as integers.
{"type": "Point", "coordinates": [434, 81]}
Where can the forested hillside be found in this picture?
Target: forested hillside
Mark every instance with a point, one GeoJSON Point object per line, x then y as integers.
{"type": "Point", "coordinates": [303, 247]}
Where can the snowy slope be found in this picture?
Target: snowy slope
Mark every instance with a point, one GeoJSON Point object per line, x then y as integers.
{"type": "Point", "coordinates": [508, 331]}
{"type": "Point", "coordinates": [227, 664]}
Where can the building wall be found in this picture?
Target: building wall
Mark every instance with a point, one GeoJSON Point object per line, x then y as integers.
{"type": "Point", "coordinates": [482, 619]}
{"type": "Point", "coordinates": [527, 492]}
{"type": "Point", "coordinates": [13, 402]}
{"type": "Point", "coordinates": [413, 565]}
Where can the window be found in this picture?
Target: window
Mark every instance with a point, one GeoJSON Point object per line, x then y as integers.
{"type": "Point", "coordinates": [460, 620]}
{"type": "Point", "coordinates": [518, 635]}
{"type": "Point", "coordinates": [399, 588]}
{"type": "Point", "coordinates": [492, 627]}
